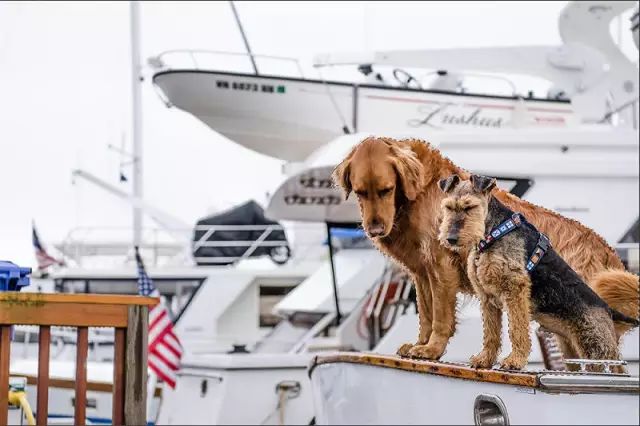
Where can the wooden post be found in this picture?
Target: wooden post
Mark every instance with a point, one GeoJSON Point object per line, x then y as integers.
{"type": "Point", "coordinates": [135, 397]}
{"type": "Point", "coordinates": [44, 343]}
{"type": "Point", "coordinates": [5, 352]}
{"type": "Point", "coordinates": [80, 402]}
{"type": "Point", "coordinates": [117, 416]}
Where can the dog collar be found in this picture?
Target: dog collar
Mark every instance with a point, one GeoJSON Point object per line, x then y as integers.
{"type": "Point", "coordinates": [500, 231]}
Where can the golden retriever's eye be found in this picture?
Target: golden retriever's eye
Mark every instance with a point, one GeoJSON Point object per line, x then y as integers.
{"type": "Point", "coordinates": [362, 194]}
{"type": "Point", "coordinates": [384, 192]}
{"type": "Point", "coordinates": [466, 209]}
{"type": "Point", "coordinates": [448, 207]}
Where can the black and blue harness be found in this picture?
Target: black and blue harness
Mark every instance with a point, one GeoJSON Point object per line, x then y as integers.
{"type": "Point", "coordinates": [514, 222]}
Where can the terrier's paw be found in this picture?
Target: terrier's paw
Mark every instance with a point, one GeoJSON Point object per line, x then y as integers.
{"type": "Point", "coordinates": [426, 352]}
{"type": "Point", "coordinates": [482, 360]}
{"type": "Point", "coordinates": [405, 349]}
{"type": "Point", "coordinates": [513, 362]}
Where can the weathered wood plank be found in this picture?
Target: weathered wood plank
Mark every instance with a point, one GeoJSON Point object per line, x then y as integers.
{"type": "Point", "coordinates": [64, 314]}
{"type": "Point", "coordinates": [93, 299]}
{"type": "Point", "coordinates": [117, 415]}
{"type": "Point", "coordinates": [80, 402]}
{"type": "Point", "coordinates": [433, 367]}
{"type": "Point", "coordinates": [44, 344]}
{"type": "Point", "coordinates": [135, 400]}
{"type": "Point", "coordinates": [5, 351]}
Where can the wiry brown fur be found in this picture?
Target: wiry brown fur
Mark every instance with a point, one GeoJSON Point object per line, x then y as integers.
{"type": "Point", "coordinates": [411, 228]}
{"type": "Point", "coordinates": [500, 280]}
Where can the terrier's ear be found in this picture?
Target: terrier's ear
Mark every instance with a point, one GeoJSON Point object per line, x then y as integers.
{"type": "Point", "coordinates": [341, 175]}
{"type": "Point", "coordinates": [447, 184]}
{"type": "Point", "coordinates": [483, 184]}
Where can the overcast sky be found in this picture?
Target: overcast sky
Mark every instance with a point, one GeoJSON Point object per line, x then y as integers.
{"type": "Point", "coordinates": [65, 91]}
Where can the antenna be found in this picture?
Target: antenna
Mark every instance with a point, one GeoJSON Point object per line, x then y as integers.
{"type": "Point", "coordinates": [244, 37]}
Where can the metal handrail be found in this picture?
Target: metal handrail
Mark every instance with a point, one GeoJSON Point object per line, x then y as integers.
{"type": "Point", "coordinates": [157, 61]}
{"type": "Point", "coordinates": [511, 84]}
{"type": "Point", "coordinates": [81, 236]}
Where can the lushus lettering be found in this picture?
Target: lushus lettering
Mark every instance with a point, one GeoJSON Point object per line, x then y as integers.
{"type": "Point", "coordinates": [438, 116]}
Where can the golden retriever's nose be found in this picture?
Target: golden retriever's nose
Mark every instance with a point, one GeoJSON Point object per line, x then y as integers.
{"type": "Point", "coordinates": [375, 229]}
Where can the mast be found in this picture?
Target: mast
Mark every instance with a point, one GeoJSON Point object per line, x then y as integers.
{"type": "Point", "coordinates": [136, 121]}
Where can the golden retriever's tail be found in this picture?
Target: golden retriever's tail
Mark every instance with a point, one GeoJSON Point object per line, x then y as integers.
{"type": "Point", "coordinates": [621, 290]}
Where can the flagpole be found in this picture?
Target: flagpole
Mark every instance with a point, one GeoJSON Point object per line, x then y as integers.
{"type": "Point", "coordinates": [136, 121]}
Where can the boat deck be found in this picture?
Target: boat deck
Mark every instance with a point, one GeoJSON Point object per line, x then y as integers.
{"type": "Point", "coordinates": [540, 379]}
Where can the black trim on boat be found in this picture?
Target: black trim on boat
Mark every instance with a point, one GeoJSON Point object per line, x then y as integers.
{"type": "Point", "coordinates": [346, 84]}
{"type": "Point", "coordinates": [521, 187]}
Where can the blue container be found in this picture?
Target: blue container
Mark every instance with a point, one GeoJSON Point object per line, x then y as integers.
{"type": "Point", "coordinates": [13, 277]}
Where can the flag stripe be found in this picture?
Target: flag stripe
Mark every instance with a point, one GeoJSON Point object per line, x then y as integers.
{"type": "Point", "coordinates": [165, 349]}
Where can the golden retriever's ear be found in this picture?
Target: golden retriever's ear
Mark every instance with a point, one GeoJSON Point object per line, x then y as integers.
{"type": "Point", "coordinates": [341, 176]}
{"type": "Point", "coordinates": [482, 184]}
{"type": "Point", "coordinates": [447, 184]}
{"type": "Point", "coordinates": [409, 169]}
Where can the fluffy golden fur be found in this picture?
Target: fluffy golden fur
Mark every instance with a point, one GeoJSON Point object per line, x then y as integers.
{"type": "Point", "coordinates": [397, 187]}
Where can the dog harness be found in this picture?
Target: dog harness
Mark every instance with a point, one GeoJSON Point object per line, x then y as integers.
{"type": "Point", "coordinates": [514, 222]}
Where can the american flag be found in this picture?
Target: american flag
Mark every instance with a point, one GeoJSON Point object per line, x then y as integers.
{"type": "Point", "coordinates": [165, 350]}
{"type": "Point", "coordinates": [43, 258]}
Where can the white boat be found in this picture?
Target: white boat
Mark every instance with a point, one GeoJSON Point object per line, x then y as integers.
{"type": "Point", "coordinates": [357, 389]}
{"type": "Point", "coordinates": [290, 117]}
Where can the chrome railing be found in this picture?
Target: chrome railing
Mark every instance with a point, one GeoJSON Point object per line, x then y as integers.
{"type": "Point", "coordinates": [164, 60]}
{"type": "Point", "coordinates": [159, 246]}
{"type": "Point", "coordinates": [250, 246]}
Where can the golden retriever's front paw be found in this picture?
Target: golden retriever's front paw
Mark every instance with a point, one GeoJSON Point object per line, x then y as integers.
{"type": "Point", "coordinates": [513, 362]}
{"type": "Point", "coordinates": [426, 352]}
{"type": "Point", "coordinates": [405, 349]}
{"type": "Point", "coordinates": [482, 360]}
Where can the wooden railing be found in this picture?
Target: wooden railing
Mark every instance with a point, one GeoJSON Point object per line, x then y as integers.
{"type": "Point", "coordinates": [127, 314]}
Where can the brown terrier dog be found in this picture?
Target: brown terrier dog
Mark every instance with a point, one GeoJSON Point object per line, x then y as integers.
{"type": "Point", "coordinates": [396, 183]}
{"type": "Point", "coordinates": [511, 265]}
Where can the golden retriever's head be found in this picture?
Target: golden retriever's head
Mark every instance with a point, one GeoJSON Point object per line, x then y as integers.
{"type": "Point", "coordinates": [464, 210]}
{"type": "Point", "coordinates": [383, 174]}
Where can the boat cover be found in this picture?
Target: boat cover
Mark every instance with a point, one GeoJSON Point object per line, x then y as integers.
{"type": "Point", "coordinates": [249, 213]}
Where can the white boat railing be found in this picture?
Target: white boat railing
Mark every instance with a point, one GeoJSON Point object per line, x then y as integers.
{"type": "Point", "coordinates": [159, 245]}
{"type": "Point", "coordinates": [166, 60]}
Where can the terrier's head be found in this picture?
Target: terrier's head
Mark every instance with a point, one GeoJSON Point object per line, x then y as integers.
{"type": "Point", "coordinates": [464, 210]}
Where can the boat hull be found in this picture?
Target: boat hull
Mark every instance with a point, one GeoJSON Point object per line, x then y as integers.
{"type": "Point", "coordinates": [358, 393]}
{"type": "Point", "coordinates": [289, 118]}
